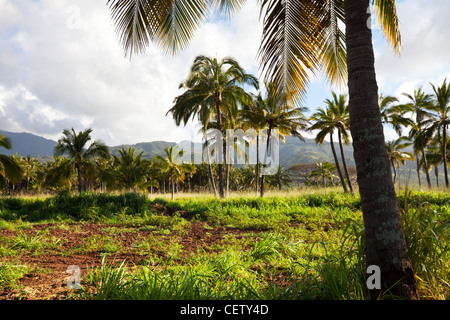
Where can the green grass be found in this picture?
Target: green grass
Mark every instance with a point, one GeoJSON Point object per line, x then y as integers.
{"type": "Point", "coordinates": [298, 245]}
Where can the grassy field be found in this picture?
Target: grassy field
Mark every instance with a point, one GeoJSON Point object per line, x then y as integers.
{"type": "Point", "coordinates": [307, 244]}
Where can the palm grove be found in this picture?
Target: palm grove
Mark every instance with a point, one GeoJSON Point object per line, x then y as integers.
{"type": "Point", "coordinates": [299, 39]}
{"type": "Point", "coordinates": [83, 165]}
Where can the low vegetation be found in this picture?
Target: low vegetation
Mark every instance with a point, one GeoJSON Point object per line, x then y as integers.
{"type": "Point", "coordinates": [303, 245]}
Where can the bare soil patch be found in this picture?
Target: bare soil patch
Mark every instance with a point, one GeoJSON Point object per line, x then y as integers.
{"type": "Point", "coordinates": [48, 278]}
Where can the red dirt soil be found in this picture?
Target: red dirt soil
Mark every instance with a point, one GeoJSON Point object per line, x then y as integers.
{"type": "Point", "coordinates": [48, 280]}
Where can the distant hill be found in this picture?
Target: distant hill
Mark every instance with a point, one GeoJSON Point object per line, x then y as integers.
{"type": "Point", "coordinates": [25, 144]}
{"type": "Point", "coordinates": [149, 149]}
{"type": "Point", "coordinates": [292, 152]}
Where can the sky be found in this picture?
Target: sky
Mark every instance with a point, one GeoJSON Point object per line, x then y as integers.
{"type": "Point", "coordinates": [62, 66]}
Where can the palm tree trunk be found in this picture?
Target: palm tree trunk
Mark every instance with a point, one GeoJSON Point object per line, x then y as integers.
{"type": "Point", "coordinates": [436, 173]}
{"type": "Point", "coordinates": [344, 163]}
{"type": "Point", "coordinates": [384, 238]}
{"type": "Point", "coordinates": [265, 161]}
{"type": "Point", "coordinates": [425, 162]}
{"type": "Point", "coordinates": [219, 127]}
{"type": "Point", "coordinates": [444, 154]}
{"type": "Point", "coordinates": [257, 162]}
{"type": "Point", "coordinates": [418, 168]}
{"type": "Point", "coordinates": [212, 184]}
{"type": "Point", "coordinates": [395, 172]}
{"type": "Point", "coordinates": [338, 167]}
{"type": "Point", "coordinates": [80, 178]}
{"type": "Point", "coordinates": [172, 182]}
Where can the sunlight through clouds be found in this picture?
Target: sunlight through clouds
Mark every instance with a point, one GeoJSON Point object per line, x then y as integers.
{"type": "Point", "coordinates": [67, 55]}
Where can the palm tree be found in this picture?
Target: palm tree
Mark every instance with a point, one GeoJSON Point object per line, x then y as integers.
{"type": "Point", "coordinates": [129, 170]}
{"type": "Point", "coordinates": [434, 156]}
{"type": "Point", "coordinates": [280, 178]}
{"type": "Point", "coordinates": [9, 168]}
{"type": "Point", "coordinates": [30, 168]}
{"type": "Point", "coordinates": [334, 117]}
{"type": "Point", "coordinates": [280, 115]}
{"type": "Point", "coordinates": [252, 118]}
{"type": "Point", "coordinates": [394, 114]}
{"type": "Point", "coordinates": [58, 173]}
{"type": "Point", "coordinates": [397, 155]}
{"type": "Point", "coordinates": [171, 163]}
{"type": "Point", "coordinates": [323, 172]}
{"type": "Point", "coordinates": [420, 104]}
{"type": "Point", "coordinates": [73, 145]}
{"type": "Point", "coordinates": [212, 84]}
{"type": "Point", "coordinates": [300, 37]}
{"type": "Point", "coordinates": [442, 109]}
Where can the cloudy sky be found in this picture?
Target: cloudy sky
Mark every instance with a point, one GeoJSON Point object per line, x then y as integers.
{"type": "Point", "coordinates": [62, 66]}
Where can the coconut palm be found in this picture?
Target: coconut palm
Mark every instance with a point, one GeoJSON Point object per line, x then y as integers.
{"type": "Point", "coordinates": [327, 121]}
{"type": "Point", "coordinates": [10, 170]}
{"type": "Point", "coordinates": [434, 156]}
{"type": "Point", "coordinates": [420, 104]}
{"type": "Point", "coordinates": [280, 115]}
{"type": "Point", "coordinates": [252, 118]}
{"type": "Point", "coordinates": [172, 164]}
{"type": "Point", "coordinates": [334, 118]}
{"type": "Point", "coordinates": [58, 174]}
{"type": "Point", "coordinates": [280, 178]}
{"type": "Point", "coordinates": [211, 86]}
{"type": "Point", "coordinates": [397, 155]}
{"type": "Point", "coordinates": [80, 156]}
{"type": "Point", "coordinates": [441, 107]}
{"type": "Point", "coordinates": [30, 167]}
{"type": "Point", "coordinates": [128, 170]}
{"type": "Point", "coordinates": [394, 114]}
{"type": "Point", "coordinates": [300, 37]}
{"type": "Point", "coordinates": [323, 172]}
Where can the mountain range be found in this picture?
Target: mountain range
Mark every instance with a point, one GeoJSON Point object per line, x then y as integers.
{"type": "Point", "coordinates": [299, 156]}
{"type": "Point", "coordinates": [293, 151]}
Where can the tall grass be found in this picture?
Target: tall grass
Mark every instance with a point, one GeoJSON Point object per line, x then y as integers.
{"type": "Point", "coordinates": [427, 233]}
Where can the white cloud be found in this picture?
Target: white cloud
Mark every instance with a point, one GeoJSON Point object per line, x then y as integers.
{"type": "Point", "coordinates": [425, 47]}
{"type": "Point", "coordinates": [69, 57]}
{"type": "Point", "coordinates": [62, 66]}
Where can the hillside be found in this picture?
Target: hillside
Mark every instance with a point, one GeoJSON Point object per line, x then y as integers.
{"type": "Point", "coordinates": [25, 144]}
{"type": "Point", "coordinates": [292, 152]}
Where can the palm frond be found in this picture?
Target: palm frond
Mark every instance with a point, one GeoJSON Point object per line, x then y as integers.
{"type": "Point", "coordinates": [5, 142]}
{"type": "Point", "coordinates": [181, 19]}
{"type": "Point", "coordinates": [291, 36]}
{"type": "Point", "coordinates": [386, 14]}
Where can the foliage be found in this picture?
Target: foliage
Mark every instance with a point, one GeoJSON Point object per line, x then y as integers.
{"type": "Point", "coordinates": [291, 246]}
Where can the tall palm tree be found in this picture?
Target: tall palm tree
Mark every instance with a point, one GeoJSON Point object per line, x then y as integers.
{"type": "Point", "coordinates": [171, 163]}
{"type": "Point", "coordinates": [9, 168]}
{"type": "Point", "coordinates": [394, 114]}
{"type": "Point", "coordinates": [280, 115]}
{"type": "Point", "coordinates": [397, 155]}
{"type": "Point", "coordinates": [213, 84]}
{"type": "Point", "coordinates": [442, 109]}
{"type": "Point", "coordinates": [334, 118]}
{"type": "Point", "coordinates": [253, 118]}
{"type": "Point", "coordinates": [300, 37]}
{"type": "Point", "coordinates": [73, 145]}
{"type": "Point", "coordinates": [420, 104]}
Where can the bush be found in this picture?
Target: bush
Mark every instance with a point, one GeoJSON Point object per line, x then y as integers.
{"type": "Point", "coordinates": [84, 206]}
